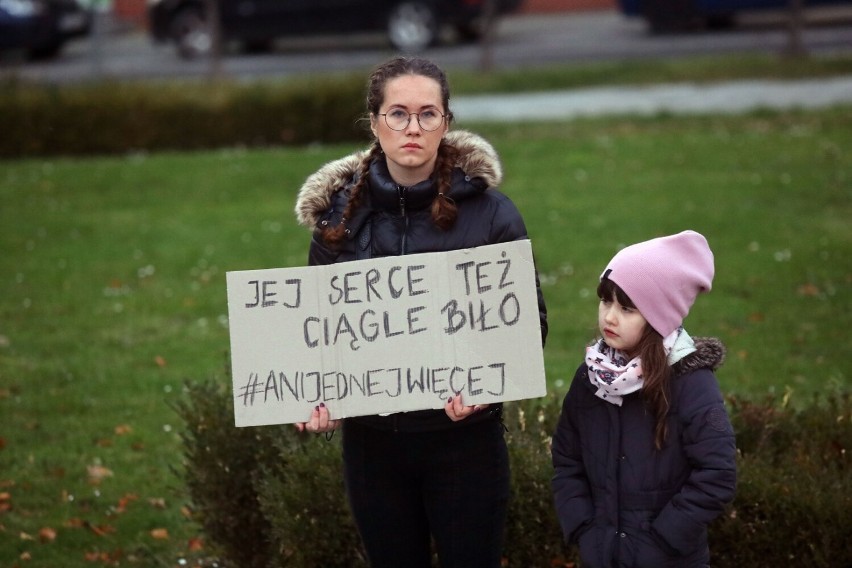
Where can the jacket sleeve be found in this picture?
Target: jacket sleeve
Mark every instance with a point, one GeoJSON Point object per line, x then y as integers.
{"type": "Point", "coordinates": [708, 441]}
{"type": "Point", "coordinates": [508, 225]}
{"type": "Point", "coordinates": [572, 496]}
{"type": "Point", "coordinates": [319, 253]}
{"type": "Point", "coordinates": [542, 308]}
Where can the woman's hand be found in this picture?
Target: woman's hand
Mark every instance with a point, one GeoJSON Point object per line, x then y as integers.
{"type": "Point", "coordinates": [319, 421]}
{"type": "Point", "coordinates": [456, 409]}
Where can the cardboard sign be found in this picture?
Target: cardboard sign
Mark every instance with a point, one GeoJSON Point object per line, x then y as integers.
{"type": "Point", "coordinates": [385, 335]}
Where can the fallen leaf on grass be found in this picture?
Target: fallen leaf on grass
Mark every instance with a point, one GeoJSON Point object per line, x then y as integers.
{"type": "Point", "coordinates": [157, 502]}
{"type": "Point", "coordinates": [195, 544]}
{"type": "Point", "coordinates": [160, 360]}
{"type": "Point", "coordinates": [100, 530]}
{"type": "Point", "coordinates": [112, 558]}
{"type": "Point", "coordinates": [160, 534]}
{"type": "Point", "coordinates": [808, 290]}
{"type": "Point", "coordinates": [123, 429]}
{"type": "Point", "coordinates": [46, 535]}
{"type": "Point", "coordinates": [125, 501]}
{"type": "Point", "coordinates": [56, 472]}
{"type": "Point", "coordinates": [5, 502]}
{"type": "Point", "coordinates": [97, 473]}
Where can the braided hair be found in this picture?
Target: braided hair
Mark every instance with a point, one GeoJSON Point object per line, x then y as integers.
{"type": "Point", "coordinates": [443, 209]}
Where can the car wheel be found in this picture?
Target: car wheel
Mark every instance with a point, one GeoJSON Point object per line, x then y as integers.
{"type": "Point", "coordinates": [258, 45]}
{"type": "Point", "coordinates": [192, 33]}
{"type": "Point", "coordinates": [45, 51]}
{"type": "Point", "coordinates": [412, 26]}
{"type": "Point", "coordinates": [720, 21]}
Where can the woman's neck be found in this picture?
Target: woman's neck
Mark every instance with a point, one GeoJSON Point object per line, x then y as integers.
{"type": "Point", "coordinates": [408, 177]}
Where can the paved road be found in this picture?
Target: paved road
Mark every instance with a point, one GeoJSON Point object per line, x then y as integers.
{"type": "Point", "coordinates": [521, 40]}
{"type": "Point", "coordinates": [728, 97]}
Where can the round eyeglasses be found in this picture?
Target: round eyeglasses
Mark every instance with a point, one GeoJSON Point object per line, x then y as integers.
{"type": "Point", "coordinates": [398, 119]}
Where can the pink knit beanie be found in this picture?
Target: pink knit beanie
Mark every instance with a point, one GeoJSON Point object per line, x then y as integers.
{"type": "Point", "coordinates": [663, 276]}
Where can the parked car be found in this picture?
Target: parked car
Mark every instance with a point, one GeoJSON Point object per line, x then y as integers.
{"type": "Point", "coordinates": [672, 15]}
{"type": "Point", "coordinates": [410, 25]}
{"type": "Point", "coordinates": [41, 27]}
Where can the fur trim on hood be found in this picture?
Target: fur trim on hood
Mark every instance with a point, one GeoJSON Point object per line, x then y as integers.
{"type": "Point", "coordinates": [477, 159]}
{"type": "Point", "coordinates": [709, 354]}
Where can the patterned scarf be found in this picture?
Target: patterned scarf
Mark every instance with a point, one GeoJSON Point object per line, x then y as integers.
{"type": "Point", "coordinates": [616, 376]}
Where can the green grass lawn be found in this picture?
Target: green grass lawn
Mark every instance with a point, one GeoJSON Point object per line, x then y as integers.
{"type": "Point", "coordinates": [112, 292]}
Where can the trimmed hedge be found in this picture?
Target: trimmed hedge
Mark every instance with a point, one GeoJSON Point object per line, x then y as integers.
{"type": "Point", "coordinates": [270, 497]}
{"type": "Point", "coordinates": [119, 118]}
{"type": "Point", "coordinates": [794, 496]}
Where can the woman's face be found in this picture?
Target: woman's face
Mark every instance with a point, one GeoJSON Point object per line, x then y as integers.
{"type": "Point", "coordinates": [621, 327]}
{"type": "Point", "coordinates": [411, 152]}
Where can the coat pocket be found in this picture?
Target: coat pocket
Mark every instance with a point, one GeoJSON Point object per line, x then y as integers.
{"type": "Point", "coordinates": [649, 550]}
{"type": "Point", "coordinates": [591, 544]}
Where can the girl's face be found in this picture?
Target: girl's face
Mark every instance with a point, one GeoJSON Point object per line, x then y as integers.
{"type": "Point", "coordinates": [621, 327]}
{"type": "Point", "coordinates": [411, 152]}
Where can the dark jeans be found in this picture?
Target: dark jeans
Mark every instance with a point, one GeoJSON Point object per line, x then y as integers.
{"type": "Point", "coordinates": [451, 484]}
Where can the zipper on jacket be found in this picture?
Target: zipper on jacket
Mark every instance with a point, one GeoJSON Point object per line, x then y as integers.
{"type": "Point", "coordinates": [619, 529]}
{"type": "Point", "coordinates": [402, 191]}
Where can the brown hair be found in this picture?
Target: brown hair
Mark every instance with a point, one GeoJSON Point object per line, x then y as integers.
{"type": "Point", "coordinates": [443, 208]}
{"type": "Point", "coordinates": [655, 365]}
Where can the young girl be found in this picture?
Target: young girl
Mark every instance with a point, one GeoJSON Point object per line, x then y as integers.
{"type": "Point", "coordinates": [644, 453]}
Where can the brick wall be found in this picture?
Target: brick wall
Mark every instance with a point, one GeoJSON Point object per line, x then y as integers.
{"type": "Point", "coordinates": [130, 11]}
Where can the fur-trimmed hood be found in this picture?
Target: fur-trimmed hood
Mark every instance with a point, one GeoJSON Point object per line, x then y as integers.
{"type": "Point", "coordinates": [709, 354]}
{"type": "Point", "coordinates": [477, 159]}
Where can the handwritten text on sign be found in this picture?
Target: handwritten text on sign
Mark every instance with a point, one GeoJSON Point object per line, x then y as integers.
{"type": "Point", "coordinates": [382, 335]}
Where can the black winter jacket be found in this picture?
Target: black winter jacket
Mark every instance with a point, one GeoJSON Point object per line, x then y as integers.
{"type": "Point", "coordinates": [394, 220]}
{"type": "Point", "coordinates": [628, 504]}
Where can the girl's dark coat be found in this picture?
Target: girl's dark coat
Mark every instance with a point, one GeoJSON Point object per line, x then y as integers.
{"type": "Point", "coordinates": [393, 220]}
{"type": "Point", "coordinates": [628, 504]}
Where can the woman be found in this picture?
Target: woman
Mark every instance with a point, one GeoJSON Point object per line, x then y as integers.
{"type": "Point", "coordinates": [416, 476]}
